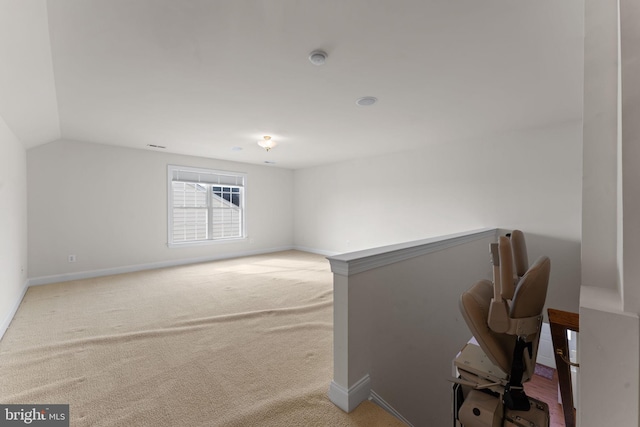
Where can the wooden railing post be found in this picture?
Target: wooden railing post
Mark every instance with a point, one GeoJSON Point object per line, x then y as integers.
{"type": "Point", "coordinates": [560, 322]}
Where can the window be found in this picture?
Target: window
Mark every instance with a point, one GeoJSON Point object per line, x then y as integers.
{"type": "Point", "coordinates": [205, 205]}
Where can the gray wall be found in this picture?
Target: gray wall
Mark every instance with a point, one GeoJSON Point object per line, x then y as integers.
{"type": "Point", "coordinates": [403, 321]}
{"type": "Point", "coordinates": [529, 180]}
{"type": "Point", "coordinates": [13, 224]}
{"type": "Point", "coordinates": [108, 206]}
{"type": "Point", "coordinates": [419, 329]}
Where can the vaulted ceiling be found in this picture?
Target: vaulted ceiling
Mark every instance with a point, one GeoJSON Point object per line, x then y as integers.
{"type": "Point", "coordinates": [211, 77]}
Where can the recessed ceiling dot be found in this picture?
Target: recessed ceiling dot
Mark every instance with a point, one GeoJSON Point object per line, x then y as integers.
{"type": "Point", "coordinates": [366, 101]}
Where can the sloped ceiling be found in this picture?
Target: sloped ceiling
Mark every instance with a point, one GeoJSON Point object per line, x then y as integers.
{"type": "Point", "coordinates": [27, 90]}
{"type": "Point", "coordinates": [202, 77]}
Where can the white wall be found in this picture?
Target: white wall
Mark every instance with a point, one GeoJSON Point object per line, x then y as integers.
{"type": "Point", "coordinates": [609, 346]}
{"type": "Point", "coordinates": [529, 180]}
{"type": "Point", "coordinates": [108, 206]}
{"type": "Point", "coordinates": [600, 178]}
{"type": "Point", "coordinates": [630, 150]}
{"type": "Point", "coordinates": [13, 224]}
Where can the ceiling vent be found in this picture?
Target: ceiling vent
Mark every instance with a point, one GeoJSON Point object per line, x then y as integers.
{"type": "Point", "coordinates": [366, 101]}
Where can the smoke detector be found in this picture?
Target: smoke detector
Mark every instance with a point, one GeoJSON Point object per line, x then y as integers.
{"type": "Point", "coordinates": [318, 57]}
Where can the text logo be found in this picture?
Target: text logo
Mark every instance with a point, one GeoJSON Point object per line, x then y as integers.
{"type": "Point", "coordinates": [34, 415]}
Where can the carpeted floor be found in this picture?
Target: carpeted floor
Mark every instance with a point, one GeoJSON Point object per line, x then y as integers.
{"type": "Point", "coordinates": [245, 342]}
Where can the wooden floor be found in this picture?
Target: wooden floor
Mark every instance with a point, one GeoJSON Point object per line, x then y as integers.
{"type": "Point", "coordinates": [546, 390]}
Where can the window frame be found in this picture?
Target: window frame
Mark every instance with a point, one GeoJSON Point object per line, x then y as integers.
{"type": "Point", "coordinates": [211, 174]}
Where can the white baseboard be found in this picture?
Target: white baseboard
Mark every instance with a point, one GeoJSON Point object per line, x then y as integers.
{"type": "Point", "coordinates": [349, 399]}
{"type": "Point", "coordinates": [14, 308]}
{"type": "Point", "coordinates": [375, 398]}
{"type": "Point", "coordinates": [545, 348]}
{"type": "Point", "coordinates": [45, 280]}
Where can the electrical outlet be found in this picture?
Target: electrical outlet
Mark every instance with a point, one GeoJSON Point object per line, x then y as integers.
{"type": "Point", "coordinates": [72, 258]}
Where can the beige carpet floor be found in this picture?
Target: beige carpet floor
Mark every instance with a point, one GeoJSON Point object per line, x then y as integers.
{"type": "Point", "coordinates": [244, 342]}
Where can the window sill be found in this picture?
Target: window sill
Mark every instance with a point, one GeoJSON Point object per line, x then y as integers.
{"type": "Point", "coordinates": [207, 242]}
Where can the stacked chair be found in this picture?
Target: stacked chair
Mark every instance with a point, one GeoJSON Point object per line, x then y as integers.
{"type": "Point", "coordinates": [505, 318]}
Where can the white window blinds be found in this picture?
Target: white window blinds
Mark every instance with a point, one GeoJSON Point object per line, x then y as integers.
{"type": "Point", "coordinates": [205, 205]}
{"type": "Point", "coordinates": [206, 176]}
{"type": "Point", "coordinates": [190, 219]}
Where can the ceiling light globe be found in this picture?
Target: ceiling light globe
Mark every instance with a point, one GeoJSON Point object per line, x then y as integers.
{"type": "Point", "coordinates": [267, 143]}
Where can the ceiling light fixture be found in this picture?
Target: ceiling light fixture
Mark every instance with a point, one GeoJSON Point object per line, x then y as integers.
{"type": "Point", "coordinates": [366, 101]}
{"type": "Point", "coordinates": [318, 57]}
{"type": "Point", "coordinates": [267, 143]}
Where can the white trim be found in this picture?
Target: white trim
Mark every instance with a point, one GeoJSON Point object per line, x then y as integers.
{"type": "Point", "coordinates": [348, 400]}
{"type": "Point", "coordinates": [44, 280]}
{"type": "Point", "coordinates": [16, 304]}
{"type": "Point", "coordinates": [545, 348]}
{"type": "Point", "coordinates": [375, 398]}
{"type": "Point", "coordinates": [357, 262]}
{"type": "Point", "coordinates": [193, 243]}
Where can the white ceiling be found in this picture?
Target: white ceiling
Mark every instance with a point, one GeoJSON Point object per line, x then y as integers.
{"type": "Point", "coordinates": [203, 76]}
